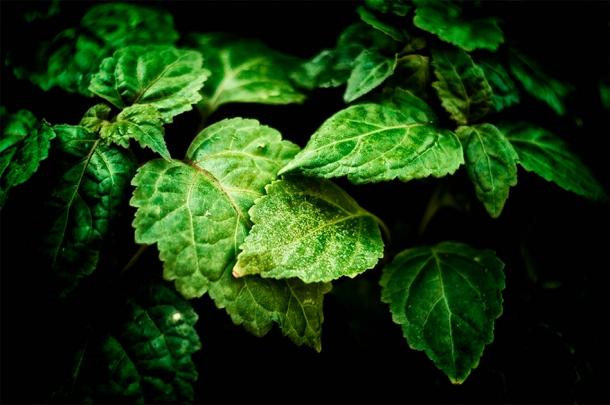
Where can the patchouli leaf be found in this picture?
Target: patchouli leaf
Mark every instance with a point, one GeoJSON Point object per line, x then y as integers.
{"type": "Point", "coordinates": [504, 90]}
{"type": "Point", "coordinates": [245, 71]}
{"type": "Point", "coordinates": [548, 156]}
{"type": "Point", "coordinates": [446, 20]}
{"type": "Point", "coordinates": [491, 163]}
{"type": "Point", "coordinates": [379, 24]}
{"type": "Point", "coordinates": [147, 356]}
{"type": "Point", "coordinates": [412, 73]}
{"type": "Point", "coordinates": [446, 299]}
{"type": "Point", "coordinates": [86, 199]}
{"type": "Point", "coordinates": [380, 142]}
{"type": "Point", "coordinates": [370, 70]}
{"type": "Point", "coordinates": [164, 77]}
{"type": "Point", "coordinates": [329, 235]}
{"type": "Point", "coordinates": [24, 144]}
{"type": "Point", "coordinates": [397, 7]}
{"type": "Point", "coordinates": [538, 83]}
{"type": "Point", "coordinates": [461, 86]}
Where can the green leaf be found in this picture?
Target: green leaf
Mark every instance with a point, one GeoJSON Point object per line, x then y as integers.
{"type": "Point", "coordinates": [604, 94]}
{"type": "Point", "coordinates": [397, 7]}
{"type": "Point", "coordinates": [167, 78]}
{"type": "Point", "coordinates": [504, 90]}
{"type": "Point", "coordinates": [446, 20]}
{"type": "Point", "coordinates": [462, 88]}
{"type": "Point", "coordinates": [491, 163]}
{"type": "Point", "coordinates": [376, 22]}
{"type": "Point", "coordinates": [370, 70]}
{"type": "Point", "coordinates": [548, 156]}
{"type": "Point", "coordinates": [380, 142]}
{"type": "Point", "coordinates": [538, 83]}
{"type": "Point", "coordinates": [245, 71]}
{"type": "Point", "coordinates": [331, 237]}
{"type": "Point", "coordinates": [74, 55]}
{"type": "Point", "coordinates": [86, 199]}
{"type": "Point", "coordinates": [24, 144]}
{"type": "Point", "coordinates": [147, 356]}
{"type": "Point", "coordinates": [412, 73]}
{"type": "Point", "coordinates": [446, 299]}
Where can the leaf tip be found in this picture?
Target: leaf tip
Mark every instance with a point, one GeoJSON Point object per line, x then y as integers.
{"type": "Point", "coordinates": [238, 271]}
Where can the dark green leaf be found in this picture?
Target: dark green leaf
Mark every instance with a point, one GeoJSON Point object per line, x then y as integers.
{"type": "Point", "coordinates": [446, 299]}
{"type": "Point", "coordinates": [379, 24]}
{"type": "Point", "coordinates": [504, 90]}
{"type": "Point", "coordinates": [412, 73]}
{"type": "Point", "coordinates": [370, 70]}
{"type": "Point", "coordinates": [397, 7]}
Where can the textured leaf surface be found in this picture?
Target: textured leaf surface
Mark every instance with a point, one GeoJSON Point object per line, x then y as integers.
{"type": "Point", "coordinates": [538, 83]}
{"type": "Point", "coordinates": [86, 199]}
{"type": "Point", "coordinates": [504, 90]}
{"type": "Point", "coordinates": [379, 24]}
{"type": "Point", "coordinates": [380, 142]}
{"type": "Point", "coordinates": [24, 144]}
{"type": "Point", "coordinates": [329, 234]}
{"type": "Point", "coordinates": [245, 71]}
{"type": "Point", "coordinates": [146, 356]}
{"type": "Point", "coordinates": [74, 55]}
{"type": "Point", "coordinates": [397, 7]}
{"type": "Point", "coordinates": [548, 156]}
{"type": "Point", "coordinates": [167, 78]}
{"type": "Point", "coordinates": [370, 70]}
{"type": "Point", "coordinates": [446, 20]}
{"type": "Point", "coordinates": [491, 163]}
{"type": "Point", "coordinates": [446, 299]}
{"type": "Point", "coordinates": [461, 86]}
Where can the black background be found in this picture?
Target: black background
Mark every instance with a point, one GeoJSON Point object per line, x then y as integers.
{"type": "Point", "coordinates": [552, 340]}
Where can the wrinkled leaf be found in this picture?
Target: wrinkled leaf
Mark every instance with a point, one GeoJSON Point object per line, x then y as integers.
{"type": "Point", "coordinates": [380, 142]}
{"type": "Point", "coordinates": [379, 24]}
{"type": "Point", "coordinates": [446, 20]}
{"type": "Point", "coordinates": [446, 299]}
{"type": "Point", "coordinates": [329, 234]}
{"type": "Point", "coordinates": [548, 156]}
{"type": "Point", "coordinates": [370, 70]}
{"type": "Point", "coordinates": [461, 86]}
{"type": "Point", "coordinates": [397, 7]}
{"type": "Point", "coordinates": [491, 163]}
{"type": "Point", "coordinates": [504, 90]}
{"type": "Point", "coordinates": [167, 78]}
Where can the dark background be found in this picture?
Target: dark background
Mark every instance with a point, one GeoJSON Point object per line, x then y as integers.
{"type": "Point", "coordinates": [551, 342]}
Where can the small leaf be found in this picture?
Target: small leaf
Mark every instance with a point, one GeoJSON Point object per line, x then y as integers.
{"type": "Point", "coordinates": [380, 142]}
{"type": "Point", "coordinates": [446, 299]}
{"type": "Point", "coordinates": [491, 163]}
{"type": "Point", "coordinates": [538, 83]}
{"type": "Point", "coordinates": [461, 86]}
{"type": "Point", "coordinates": [376, 22]}
{"type": "Point", "coordinates": [504, 90]}
{"type": "Point", "coordinates": [24, 144]}
{"type": "Point", "coordinates": [412, 73]}
{"type": "Point", "coordinates": [245, 71]}
{"type": "Point", "coordinates": [548, 156]}
{"type": "Point", "coordinates": [164, 77]}
{"type": "Point", "coordinates": [370, 70]}
{"type": "Point", "coordinates": [397, 7]}
{"type": "Point", "coordinates": [331, 235]}
{"type": "Point", "coordinates": [446, 20]}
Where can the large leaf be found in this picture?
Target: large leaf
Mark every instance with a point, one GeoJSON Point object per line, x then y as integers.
{"type": "Point", "coordinates": [491, 163]}
{"type": "Point", "coordinates": [446, 299]}
{"type": "Point", "coordinates": [146, 356]}
{"type": "Point", "coordinates": [24, 144]}
{"type": "Point", "coordinates": [167, 78]}
{"type": "Point", "coordinates": [548, 156]}
{"type": "Point", "coordinates": [245, 71]}
{"type": "Point", "coordinates": [380, 142]}
{"type": "Point", "coordinates": [461, 86]}
{"type": "Point", "coordinates": [446, 20]}
{"type": "Point", "coordinates": [537, 82]}
{"type": "Point", "coordinates": [370, 70]}
{"type": "Point", "coordinates": [329, 236]}
{"type": "Point", "coordinates": [86, 199]}
{"type": "Point", "coordinates": [73, 56]}
{"type": "Point", "coordinates": [504, 90]}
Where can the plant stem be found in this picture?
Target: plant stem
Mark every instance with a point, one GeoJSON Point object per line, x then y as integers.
{"type": "Point", "coordinates": [134, 259]}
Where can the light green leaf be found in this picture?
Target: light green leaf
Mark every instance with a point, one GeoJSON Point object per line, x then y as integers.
{"type": "Point", "coordinates": [397, 7]}
{"type": "Point", "coordinates": [446, 20]}
{"type": "Point", "coordinates": [331, 237]}
{"type": "Point", "coordinates": [147, 356]}
{"type": "Point", "coordinates": [504, 90]}
{"type": "Point", "coordinates": [164, 77]}
{"type": "Point", "coordinates": [24, 144]}
{"type": "Point", "coordinates": [537, 82]}
{"type": "Point", "coordinates": [462, 87]}
{"type": "Point", "coordinates": [548, 156]}
{"type": "Point", "coordinates": [376, 22]}
{"type": "Point", "coordinates": [380, 142]}
{"type": "Point", "coordinates": [446, 299]}
{"type": "Point", "coordinates": [370, 70]}
{"type": "Point", "coordinates": [245, 71]}
{"type": "Point", "coordinates": [491, 163]}
{"type": "Point", "coordinates": [74, 55]}
{"type": "Point", "coordinates": [86, 200]}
